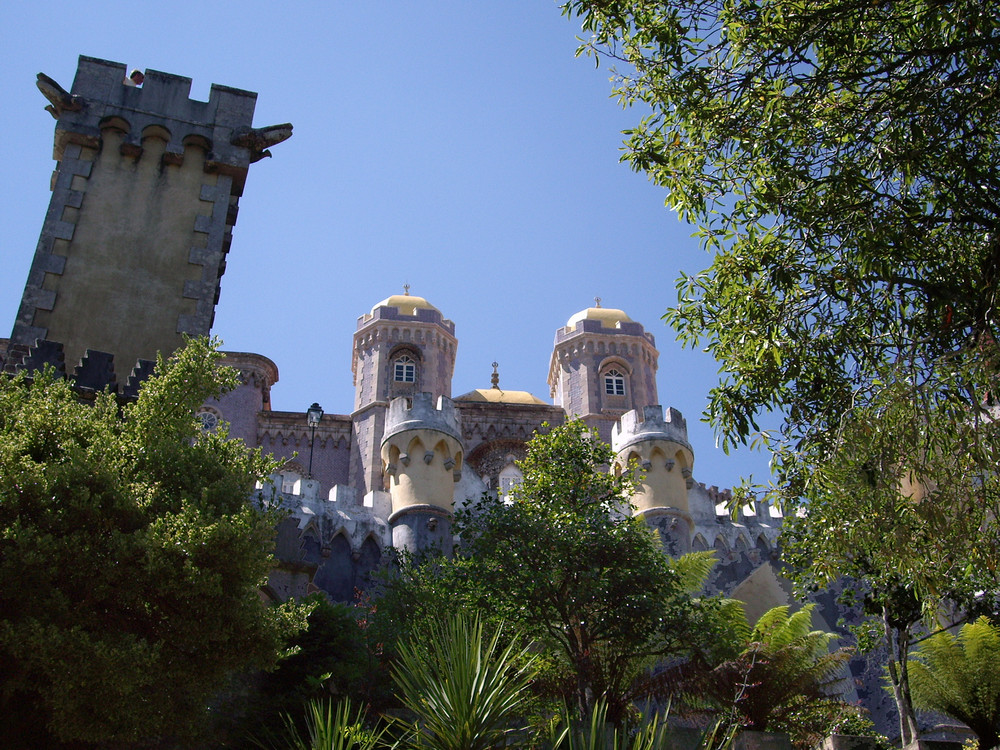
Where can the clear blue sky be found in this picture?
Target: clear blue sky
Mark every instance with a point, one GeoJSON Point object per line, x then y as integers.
{"type": "Point", "coordinates": [457, 146]}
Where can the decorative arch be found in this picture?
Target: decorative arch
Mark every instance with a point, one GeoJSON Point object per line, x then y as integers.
{"type": "Point", "coordinates": [763, 545]}
{"type": "Point", "coordinates": [156, 131]}
{"type": "Point", "coordinates": [118, 124]}
{"type": "Point", "coordinates": [721, 546]}
{"type": "Point", "coordinates": [698, 544]}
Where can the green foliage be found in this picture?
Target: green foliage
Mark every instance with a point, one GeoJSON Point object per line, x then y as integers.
{"type": "Point", "coordinates": [588, 584]}
{"type": "Point", "coordinates": [783, 679]}
{"type": "Point", "coordinates": [464, 688]}
{"type": "Point", "coordinates": [328, 657]}
{"type": "Point", "coordinates": [842, 163]}
{"type": "Point", "coordinates": [130, 558]}
{"type": "Point", "coordinates": [566, 563]}
{"type": "Point", "coordinates": [328, 727]}
{"type": "Point", "coordinates": [595, 732]}
{"type": "Point", "coordinates": [960, 676]}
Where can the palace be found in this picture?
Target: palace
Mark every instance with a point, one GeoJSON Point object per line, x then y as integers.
{"type": "Point", "coordinates": [144, 199]}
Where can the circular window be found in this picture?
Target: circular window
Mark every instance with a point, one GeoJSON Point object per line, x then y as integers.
{"type": "Point", "coordinates": [209, 419]}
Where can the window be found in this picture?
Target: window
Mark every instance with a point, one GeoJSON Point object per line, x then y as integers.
{"type": "Point", "coordinates": [208, 418]}
{"type": "Point", "coordinates": [510, 477]}
{"type": "Point", "coordinates": [405, 370]}
{"type": "Point", "coordinates": [614, 383]}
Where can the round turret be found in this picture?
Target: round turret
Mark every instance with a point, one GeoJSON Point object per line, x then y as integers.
{"type": "Point", "coordinates": [660, 448]}
{"type": "Point", "coordinates": [421, 460]}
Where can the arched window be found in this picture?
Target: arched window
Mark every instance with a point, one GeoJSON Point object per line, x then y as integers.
{"type": "Point", "coordinates": [405, 370]}
{"type": "Point", "coordinates": [510, 477]}
{"type": "Point", "coordinates": [614, 383]}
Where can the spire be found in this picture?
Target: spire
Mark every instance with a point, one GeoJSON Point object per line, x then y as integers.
{"type": "Point", "coordinates": [495, 378]}
{"type": "Point", "coordinates": [597, 301]}
{"type": "Point", "coordinates": [406, 290]}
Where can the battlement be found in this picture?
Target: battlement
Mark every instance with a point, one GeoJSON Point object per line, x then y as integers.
{"type": "Point", "coordinates": [99, 98]}
{"type": "Point", "coordinates": [421, 412]}
{"type": "Point", "coordinates": [420, 315]}
{"type": "Point", "coordinates": [95, 371]}
{"type": "Point", "coordinates": [649, 423]}
{"type": "Point", "coordinates": [622, 328]}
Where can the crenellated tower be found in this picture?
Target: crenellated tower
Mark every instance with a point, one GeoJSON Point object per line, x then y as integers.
{"type": "Point", "coordinates": [403, 347]}
{"type": "Point", "coordinates": [422, 461]}
{"type": "Point", "coordinates": [659, 445]}
{"type": "Point", "coordinates": [603, 364]}
{"type": "Point", "coordinates": [144, 199]}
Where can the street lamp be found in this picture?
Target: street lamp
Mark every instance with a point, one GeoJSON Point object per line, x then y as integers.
{"type": "Point", "coordinates": [313, 414]}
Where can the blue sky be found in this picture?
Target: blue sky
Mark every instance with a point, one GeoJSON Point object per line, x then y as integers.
{"type": "Point", "coordinates": [457, 146]}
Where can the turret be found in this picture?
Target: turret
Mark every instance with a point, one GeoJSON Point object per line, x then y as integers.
{"type": "Point", "coordinates": [603, 364]}
{"type": "Point", "coordinates": [659, 445]}
{"type": "Point", "coordinates": [404, 346]}
{"type": "Point", "coordinates": [144, 199]}
{"type": "Point", "coordinates": [422, 461]}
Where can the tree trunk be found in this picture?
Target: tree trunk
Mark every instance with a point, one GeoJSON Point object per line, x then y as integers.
{"type": "Point", "coordinates": [898, 642]}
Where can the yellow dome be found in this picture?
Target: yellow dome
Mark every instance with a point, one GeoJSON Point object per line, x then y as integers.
{"type": "Point", "coordinates": [609, 317]}
{"type": "Point", "coordinates": [497, 396]}
{"type": "Point", "coordinates": [407, 304]}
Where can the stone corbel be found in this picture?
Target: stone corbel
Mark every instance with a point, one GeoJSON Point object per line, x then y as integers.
{"type": "Point", "coordinates": [428, 457]}
{"type": "Point", "coordinates": [404, 458]}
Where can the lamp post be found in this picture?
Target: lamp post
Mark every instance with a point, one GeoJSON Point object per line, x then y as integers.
{"type": "Point", "coordinates": [313, 414]}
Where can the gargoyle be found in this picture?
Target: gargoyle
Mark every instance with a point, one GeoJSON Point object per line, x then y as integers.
{"type": "Point", "coordinates": [62, 100]}
{"type": "Point", "coordinates": [259, 139]}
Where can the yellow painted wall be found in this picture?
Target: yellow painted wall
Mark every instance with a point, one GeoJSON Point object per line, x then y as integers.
{"type": "Point", "coordinates": [130, 249]}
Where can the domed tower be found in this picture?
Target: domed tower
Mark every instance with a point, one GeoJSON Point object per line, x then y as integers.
{"type": "Point", "coordinates": [422, 460]}
{"type": "Point", "coordinates": [660, 448]}
{"type": "Point", "coordinates": [404, 346]}
{"type": "Point", "coordinates": [603, 365]}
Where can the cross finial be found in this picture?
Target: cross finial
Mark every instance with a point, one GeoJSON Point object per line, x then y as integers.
{"type": "Point", "coordinates": [406, 289]}
{"type": "Point", "coordinates": [597, 301]}
{"type": "Point", "coordinates": [495, 378]}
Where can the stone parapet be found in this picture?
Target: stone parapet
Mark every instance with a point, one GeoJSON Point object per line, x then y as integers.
{"type": "Point", "coordinates": [649, 423]}
{"type": "Point", "coordinates": [422, 412]}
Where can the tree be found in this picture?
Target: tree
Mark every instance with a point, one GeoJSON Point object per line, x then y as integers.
{"type": "Point", "coordinates": [567, 564]}
{"type": "Point", "coordinates": [782, 678]}
{"type": "Point", "coordinates": [130, 559]}
{"type": "Point", "coordinates": [960, 676]}
{"type": "Point", "coordinates": [464, 687]}
{"type": "Point", "coordinates": [327, 658]}
{"type": "Point", "coordinates": [840, 160]}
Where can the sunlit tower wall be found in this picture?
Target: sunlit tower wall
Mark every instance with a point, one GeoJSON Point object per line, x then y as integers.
{"type": "Point", "coordinates": [422, 461]}
{"type": "Point", "coordinates": [404, 346]}
{"type": "Point", "coordinates": [603, 364]}
{"type": "Point", "coordinates": [144, 199]}
{"type": "Point", "coordinates": [658, 446]}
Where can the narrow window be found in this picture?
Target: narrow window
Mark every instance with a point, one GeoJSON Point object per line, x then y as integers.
{"type": "Point", "coordinates": [406, 370]}
{"type": "Point", "coordinates": [614, 383]}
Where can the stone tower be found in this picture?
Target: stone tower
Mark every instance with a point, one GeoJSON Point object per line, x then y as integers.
{"type": "Point", "coordinates": [603, 365]}
{"type": "Point", "coordinates": [660, 448]}
{"type": "Point", "coordinates": [404, 346]}
{"type": "Point", "coordinates": [144, 199]}
{"type": "Point", "coordinates": [422, 461]}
